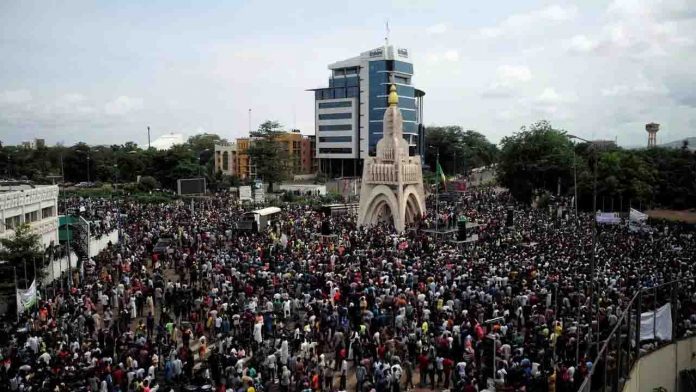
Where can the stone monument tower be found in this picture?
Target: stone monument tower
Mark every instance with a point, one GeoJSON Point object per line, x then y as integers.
{"type": "Point", "coordinates": [392, 181]}
{"type": "Point", "coordinates": [652, 130]}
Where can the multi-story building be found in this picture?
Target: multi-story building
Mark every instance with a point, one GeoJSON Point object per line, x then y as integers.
{"type": "Point", "coordinates": [349, 113]}
{"type": "Point", "coordinates": [309, 162]}
{"type": "Point", "coordinates": [36, 205]}
{"type": "Point", "coordinates": [300, 150]}
{"type": "Point", "coordinates": [245, 169]}
{"type": "Point", "coordinates": [226, 158]}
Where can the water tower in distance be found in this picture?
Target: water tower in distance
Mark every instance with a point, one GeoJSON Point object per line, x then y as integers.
{"type": "Point", "coordinates": [652, 130]}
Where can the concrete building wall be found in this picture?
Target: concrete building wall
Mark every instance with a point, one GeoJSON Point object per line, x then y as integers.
{"type": "Point", "coordinates": [661, 368]}
{"type": "Point", "coordinates": [36, 206]}
{"type": "Point", "coordinates": [225, 159]}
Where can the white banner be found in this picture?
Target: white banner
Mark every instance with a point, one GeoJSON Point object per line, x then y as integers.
{"type": "Point", "coordinates": [610, 218]}
{"type": "Point", "coordinates": [26, 298]}
{"type": "Point", "coordinates": [637, 216]}
{"type": "Point", "coordinates": [662, 326]}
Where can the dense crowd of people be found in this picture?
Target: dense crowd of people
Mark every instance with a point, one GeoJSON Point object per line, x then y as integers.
{"type": "Point", "coordinates": [185, 302]}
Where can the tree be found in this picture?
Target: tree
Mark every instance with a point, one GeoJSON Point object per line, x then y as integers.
{"type": "Point", "coordinates": [535, 158]}
{"type": "Point", "coordinates": [270, 157]}
{"type": "Point", "coordinates": [460, 151]}
{"type": "Point", "coordinates": [148, 183]}
{"type": "Point", "coordinates": [204, 141]}
{"type": "Point", "coordinates": [23, 251]}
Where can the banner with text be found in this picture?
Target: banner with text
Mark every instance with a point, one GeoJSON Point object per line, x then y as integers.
{"type": "Point", "coordinates": [26, 298]}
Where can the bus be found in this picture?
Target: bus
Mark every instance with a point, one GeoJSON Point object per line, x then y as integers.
{"type": "Point", "coordinates": [258, 220]}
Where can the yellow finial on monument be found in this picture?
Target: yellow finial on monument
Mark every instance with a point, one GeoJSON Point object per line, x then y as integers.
{"type": "Point", "coordinates": [393, 97]}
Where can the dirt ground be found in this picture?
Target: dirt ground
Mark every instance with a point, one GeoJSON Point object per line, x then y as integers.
{"type": "Point", "coordinates": [688, 216]}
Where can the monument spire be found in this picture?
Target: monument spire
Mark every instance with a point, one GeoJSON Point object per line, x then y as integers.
{"type": "Point", "coordinates": [393, 99]}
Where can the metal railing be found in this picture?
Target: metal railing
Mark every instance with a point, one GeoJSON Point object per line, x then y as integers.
{"type": "Point", "coordinates": [621, 348]}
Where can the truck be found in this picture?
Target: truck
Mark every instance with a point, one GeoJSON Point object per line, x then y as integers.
{"type": "Point", "coordinates": [257, 220]}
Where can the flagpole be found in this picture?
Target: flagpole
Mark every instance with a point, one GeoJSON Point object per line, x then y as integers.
{"type": "Point", "coordinates": [16, 289]}
{"type": "Point", "coordinates": [437, 195]}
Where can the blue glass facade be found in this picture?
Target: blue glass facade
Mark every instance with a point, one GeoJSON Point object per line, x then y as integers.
{"type": "Point", "coordinates": [363, 83]}
{"type": "Point", "coordinates": [379, 77]}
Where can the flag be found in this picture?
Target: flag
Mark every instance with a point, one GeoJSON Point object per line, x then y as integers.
{"type": "Point", "coordinates": [441, 175]}
{"type": "Point", "coordinates": [26, 298]}
{"type": "Point", "coordinates": [637, 216]}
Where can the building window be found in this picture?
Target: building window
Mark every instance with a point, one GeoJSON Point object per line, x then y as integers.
{"type": "Point", "coordinates": [46, 212]}
{"type": "Point", "coordinates": [31, 216]}
{"type": "Point", "coordinates": [331, 105]}
{"type": "Point", "coordinates": [338, 127]}
{"type": "Point", "coordinates": [352, 92]}
{"type": "Point", "coordinates": [12, 222]}
{"type": "Point", "coordinates": [400, 79]}
{"type": "Point", "coordinates": [335, 116]}
{"type": "Point", "coordinates": [336, 139]}
{"type": "Point", "coordinates": [335, 150]}
{"type": "Point", "coordinates": [225, 161]}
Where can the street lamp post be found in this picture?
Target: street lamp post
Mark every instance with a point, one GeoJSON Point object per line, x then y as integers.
{"type": "Point", "coordinates": [437, 190]}
{"type": "Point", "coordinates": [88, 175]}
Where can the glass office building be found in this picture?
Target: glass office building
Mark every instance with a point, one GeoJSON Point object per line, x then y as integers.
{"type": "Point", "coordinates": [349, 112]}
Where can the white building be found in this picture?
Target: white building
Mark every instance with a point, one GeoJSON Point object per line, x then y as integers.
{"type": "Point", "coordinates": [36, 205]}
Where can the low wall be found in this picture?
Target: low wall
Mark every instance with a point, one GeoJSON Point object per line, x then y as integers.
{"type": "Point", "coordinates": [54, 270]}
{"type": "Point", "coordinates": [661, 367]}
{"type": "Point", "coordinates": [58, 266]}
{"type": "Point", "coordinates": [97, 245]}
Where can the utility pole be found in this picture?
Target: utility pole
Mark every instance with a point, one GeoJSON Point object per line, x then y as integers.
{"type": "Point", "coordinates": [148, 137]}
{"type": "Point", "coordinates": [249, 121]}
{"type": "Point", "coordinates": [67, 222]}
{"type": "Point", "coordinates": [437, 193]}
{"type": "Point", "coordinates": [88, 176]}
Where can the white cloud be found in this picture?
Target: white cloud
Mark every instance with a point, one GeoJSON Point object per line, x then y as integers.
{"type": "Point", "coordinates": [451, 55]}
{"type": "Point", "coordinates": [641, 87]}
{"type": "Point", "coordinates": [511, 74]}
{"type": "Point", "coordinates": [123, 105]}
{"type": "Point", "coordinates": [639, 29]}
{"type": "Point", "coordinates": [15, 97]}
{"type": "Point", "coordinates": [523, 22]}
{"type": "Point", "coordinates": [549, 96]}
{"type": "Point", "coordinates": [507, 78]}
{"type": "Point", "coordinates": [580, 43]}
{"type": "Point", "coordinates": [439, 28]}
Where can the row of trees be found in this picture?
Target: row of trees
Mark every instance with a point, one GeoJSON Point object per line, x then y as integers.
{"type": "Point", "coordinates": [540, 157]}
{"type": "Point", "coordinates": [124, 163]}
{"type": "Point", "coordinates": [460, 150]}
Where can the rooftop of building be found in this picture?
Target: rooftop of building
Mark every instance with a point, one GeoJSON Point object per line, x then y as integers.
{"type": "Point", "coordinates": [19, 186]}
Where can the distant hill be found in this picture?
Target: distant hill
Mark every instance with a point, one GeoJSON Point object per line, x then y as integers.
{"type": "Point", "coordinates": [680, 142]}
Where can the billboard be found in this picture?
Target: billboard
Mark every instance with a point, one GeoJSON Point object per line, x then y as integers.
{"type": "Point", "coordinates": [190, 186]}
{"type": "Point", "coordinates": [245, 193]}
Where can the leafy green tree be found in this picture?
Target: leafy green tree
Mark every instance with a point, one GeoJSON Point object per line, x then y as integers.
{"type": "Point", "coordinates": [23, 251]}
{"type": "Point", "coordinates": [148, 183]}
{"type": "Point", "coordinates": [535, 158]}
{"type": "Point", "coordinates": [270, 157]}
{"type": "Point", "coordinates": [460, 151]}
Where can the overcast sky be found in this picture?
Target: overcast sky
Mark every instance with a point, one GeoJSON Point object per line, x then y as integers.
{"type": "Point", "coordinates": [101, 71]}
